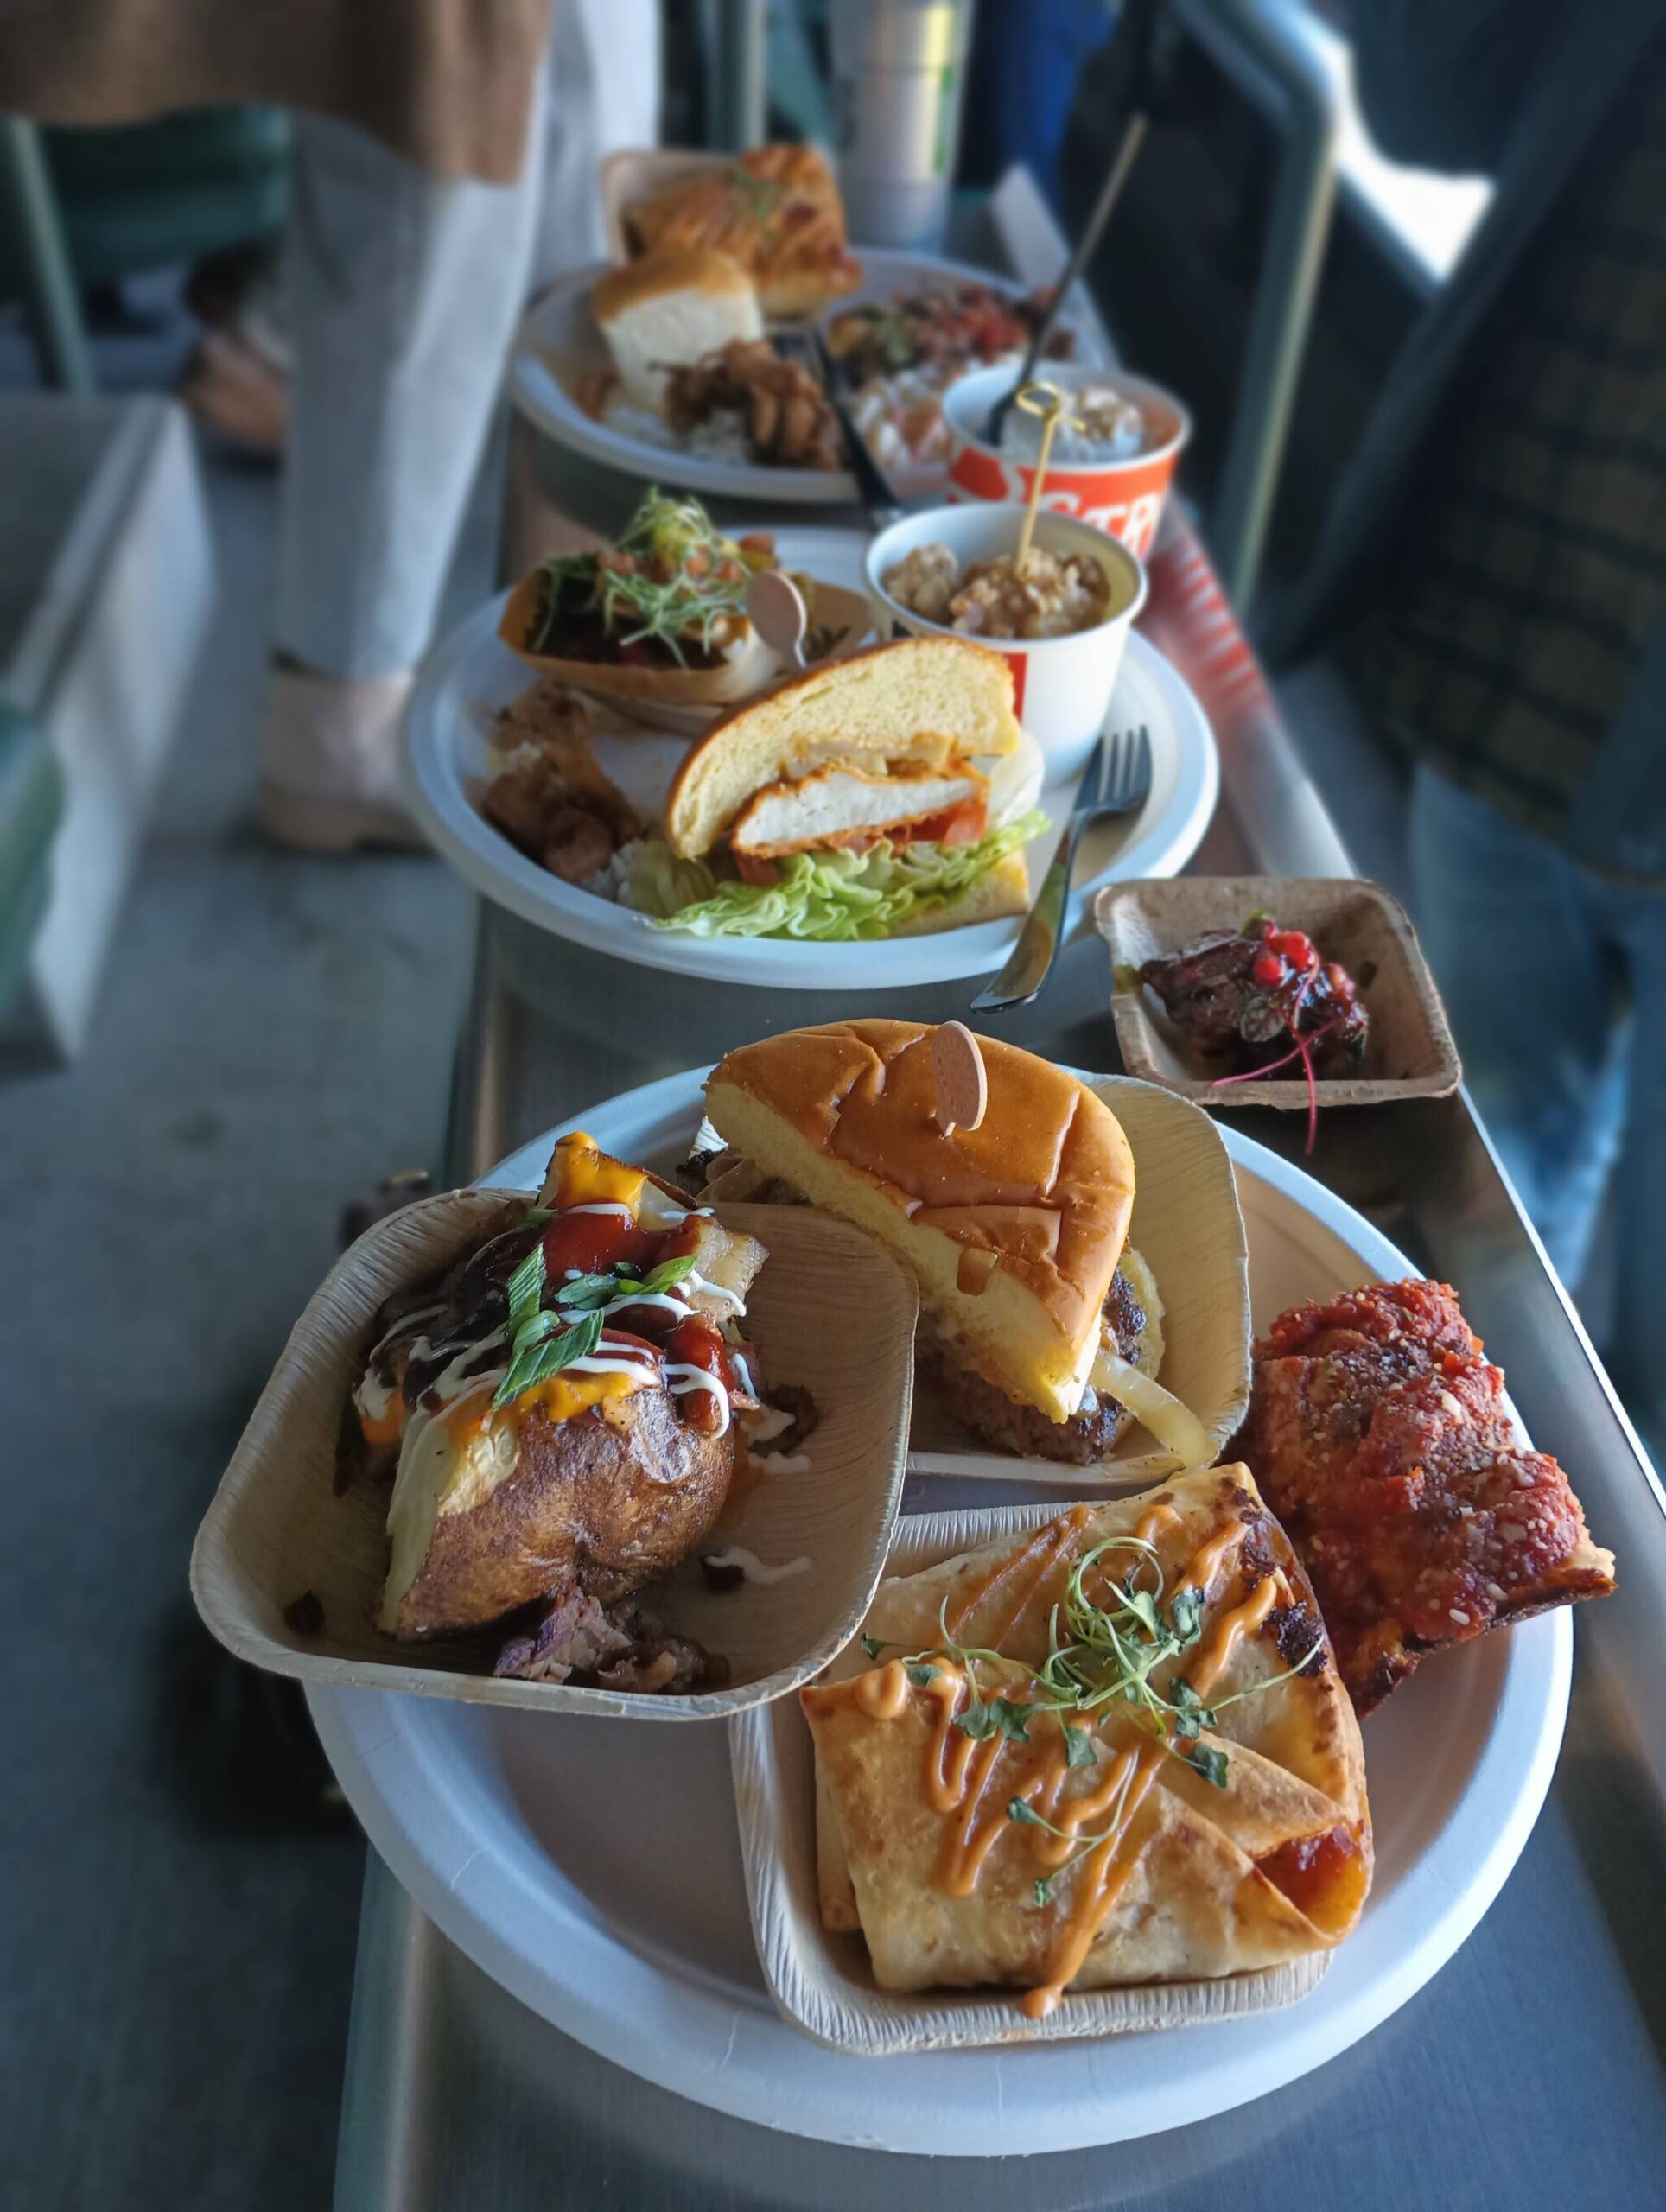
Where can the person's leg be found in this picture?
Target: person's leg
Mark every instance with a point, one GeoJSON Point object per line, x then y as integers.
{"type": "Point", "coordinates": [1516, 945]}
{"type": "Point", "coordinates": [404, 291]}
{"type": "Point", "coordinates": [1637, 1346]}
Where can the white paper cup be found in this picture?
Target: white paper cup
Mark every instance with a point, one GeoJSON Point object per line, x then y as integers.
{"type": "Point", "coordinates": [1124, 498]}
{"type": "Point", "coordinates": [1061, 686]}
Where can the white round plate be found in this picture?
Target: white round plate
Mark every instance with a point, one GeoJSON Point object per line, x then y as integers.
{"type": "Point", "coordinates": [559, 335]}
{"type": "Point", "coordinates": [473, 672]}
{"type": "Point", "coordinates": [603, 1886]}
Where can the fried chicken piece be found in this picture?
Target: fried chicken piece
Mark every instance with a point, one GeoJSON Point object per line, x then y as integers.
{"type": "Point", "coordinates": [789, 422]}
{"type": "Point", "coordinates": [547, 793]}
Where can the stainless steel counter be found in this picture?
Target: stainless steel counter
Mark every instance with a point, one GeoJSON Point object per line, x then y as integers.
{"type": "Point", "coordinates": [1530, 2072]}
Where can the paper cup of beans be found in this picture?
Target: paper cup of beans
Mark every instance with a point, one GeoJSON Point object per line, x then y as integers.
{"type": "Point", "coordinates": [1061, 623]}
{"type": "Point", "coordinates": [1114, 472]}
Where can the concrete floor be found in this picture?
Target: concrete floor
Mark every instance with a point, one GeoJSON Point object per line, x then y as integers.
{"type": "Point", "coordinates": [274, 1037]}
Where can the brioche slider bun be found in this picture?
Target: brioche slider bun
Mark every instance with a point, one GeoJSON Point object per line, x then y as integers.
{"type": "Point", "coordinates": [911, 741]}
{"type": "Point", "coordinates": [670, 309]}
{"type": "Point", "coordinates": [1013, 1229]}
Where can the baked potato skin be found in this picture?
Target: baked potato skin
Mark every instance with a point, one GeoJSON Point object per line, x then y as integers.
{"type": "Point", "coordinates": [607, 1501]}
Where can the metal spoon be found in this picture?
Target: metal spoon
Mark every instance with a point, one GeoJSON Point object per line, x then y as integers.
{"type": "Point", "coordinates": [1125, 70]}
{"type": "Point", "coordinates": [778, 614]}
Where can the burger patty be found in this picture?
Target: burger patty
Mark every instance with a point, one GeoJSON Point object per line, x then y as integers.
{"type": "Point", "coordinates": [985, 1407]}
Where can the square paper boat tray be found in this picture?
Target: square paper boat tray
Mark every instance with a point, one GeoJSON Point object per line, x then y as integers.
{"type": "Point", "coordinates": [829, 1310]}
{"type": "Point", "coordinates": [1409, 1052]}
{"type": "Point", "coordinates": [823, 1983]}
{"type": "Point", "coordinates": [1188, 1226]}
{"type": "Point", "coordinates": [634, 173]}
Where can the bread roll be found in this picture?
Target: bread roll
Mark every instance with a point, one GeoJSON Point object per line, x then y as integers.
{"type": "Point", "coordinates": [1014, 1228]}
{"type": "Point", "coordinates": [669, 309]}
{"type": "Point", "coordinates": [925, 701]}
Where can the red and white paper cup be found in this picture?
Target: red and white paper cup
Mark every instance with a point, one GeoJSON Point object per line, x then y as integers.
{"type": "Point", "coordinates": [1122, 497]}
{"type": "Point", "coordinates": [1061, 686]}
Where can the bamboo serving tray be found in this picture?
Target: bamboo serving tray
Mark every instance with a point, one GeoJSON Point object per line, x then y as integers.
{"type": "Point", "coordinates": [822, 1981]}
{"type": "Point", "coordinates": [1409, 1052]}
{"type": "Point", "coordinates": [631, 174]}
{"type": "Point", "coordinates": [829, 1310]}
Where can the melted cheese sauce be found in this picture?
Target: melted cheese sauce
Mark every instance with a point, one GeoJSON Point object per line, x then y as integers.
{"type": "Point", "coordinates": [958, 1778]}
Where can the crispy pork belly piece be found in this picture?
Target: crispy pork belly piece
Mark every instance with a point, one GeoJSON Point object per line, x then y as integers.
{"type": "Point", "coordinates": [1378, 1435]}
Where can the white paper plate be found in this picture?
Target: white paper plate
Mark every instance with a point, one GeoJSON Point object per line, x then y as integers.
{"type": "Point", "coordinates": [473, 672]}
{"type": "Point", "coordinates": [559, 336]}
{"type": "Point", "coordinates": [603, 1887]}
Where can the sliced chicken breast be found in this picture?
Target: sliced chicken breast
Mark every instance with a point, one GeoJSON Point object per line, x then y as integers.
{"type": "Point", "coordinates": [835, 803]}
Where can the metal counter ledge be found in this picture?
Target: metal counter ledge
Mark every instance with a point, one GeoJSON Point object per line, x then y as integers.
{"type": "Point", "coordinates": [1530, 2072]}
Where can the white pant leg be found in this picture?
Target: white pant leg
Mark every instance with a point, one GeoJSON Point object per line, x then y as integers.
{"type": "Point", "coordinates": [403, 292]}
{"type": "Point", "coordinates": [604, 93]}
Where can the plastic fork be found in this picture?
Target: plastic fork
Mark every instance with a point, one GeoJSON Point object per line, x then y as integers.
{"type": "Point", "coordinates": [1116, 780]}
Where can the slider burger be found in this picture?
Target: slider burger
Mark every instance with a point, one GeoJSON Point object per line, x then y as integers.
{"type": "Point", "coordinates": [1039, 1321]}
{"type": "Point", "coordinates": [558, 1411]}
{"type": "Point", "coordinates": [886, 794]}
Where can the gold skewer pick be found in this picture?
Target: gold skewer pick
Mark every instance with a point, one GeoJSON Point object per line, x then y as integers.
{"type": "Point", "coordinates": [1047, 404]}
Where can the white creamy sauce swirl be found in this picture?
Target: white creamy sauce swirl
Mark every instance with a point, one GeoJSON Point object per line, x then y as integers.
{"type": "Point", "coordinates": [753, 1569]}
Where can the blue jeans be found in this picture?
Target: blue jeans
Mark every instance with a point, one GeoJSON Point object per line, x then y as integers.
{"type": "Point", "coordinates": [1555, 982]}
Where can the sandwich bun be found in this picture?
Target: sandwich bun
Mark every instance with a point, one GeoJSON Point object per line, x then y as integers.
{"type": "Point", "coordinates": [922, 700]}
{"type": "Point", "coordinates": [670, 310]}
{"type": "Point", "coordinates": [1013, 1229]}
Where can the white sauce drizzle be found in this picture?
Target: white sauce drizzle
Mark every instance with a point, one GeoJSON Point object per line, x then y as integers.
{"type": "Point", "coordinates": [595, 1365]}
{"type": "Point", "coordinates": [681, 1376]}
{"type": "Point", "coordinates": [604, 1206]}
{"type": "Point", "coordinates": [405, 1324]}
{"type": "Point", "coordinates": [451, 1381]}
{"type": "Point", "coordinates": [764, 1428]}
{"type": "Point", "coordinates": [373, 1397]}
{"type": "Point", "coordinates": [753, 1569]}
{"type": "Point", "coordinates": [782, 1463]}
{"type": "Point", "coordinates": [696, 1281]}
{"type": "Point", "coordinates": [648, 1298]}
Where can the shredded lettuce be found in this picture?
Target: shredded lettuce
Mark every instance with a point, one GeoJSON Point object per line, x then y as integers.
{"type": "Point", "coordinates": [831, 898]}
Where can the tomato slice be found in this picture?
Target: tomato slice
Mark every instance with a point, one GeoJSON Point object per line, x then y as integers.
{"type": "Point", "coordinates": [957, 825]}
{"type": "Point", "coordinates": [752, 869]}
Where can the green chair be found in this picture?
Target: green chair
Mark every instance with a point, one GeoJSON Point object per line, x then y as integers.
{"type": "Point", "coordinates": [90, 206]}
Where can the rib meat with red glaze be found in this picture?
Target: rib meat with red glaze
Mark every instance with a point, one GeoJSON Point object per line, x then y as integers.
{"type": "Point", "coordinates": [1379, 1436]}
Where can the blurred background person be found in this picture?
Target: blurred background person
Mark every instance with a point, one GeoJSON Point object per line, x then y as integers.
{"type": "Point", "coordinates": [1495, 559]}
{"type": "Point", "coordinates": [444, 161]}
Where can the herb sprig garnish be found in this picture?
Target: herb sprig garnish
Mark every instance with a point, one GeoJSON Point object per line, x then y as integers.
{"type": "Point", "coordinates": [543, 1339]}
{"type": "Point", "coordinates": [673, 575]}
{"type": "Point", "coordinates": [1101, 1652]}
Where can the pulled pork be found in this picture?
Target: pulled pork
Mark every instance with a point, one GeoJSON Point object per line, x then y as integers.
{"type": "Point", "coordinates": [616, 1647]}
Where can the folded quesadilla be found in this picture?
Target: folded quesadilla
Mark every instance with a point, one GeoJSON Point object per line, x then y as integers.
{"type": "Point", "coordinates": [1111, 1749]}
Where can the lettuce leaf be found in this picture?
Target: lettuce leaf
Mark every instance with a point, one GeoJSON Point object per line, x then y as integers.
{"type": "Point", "coordinates": [833, 897]}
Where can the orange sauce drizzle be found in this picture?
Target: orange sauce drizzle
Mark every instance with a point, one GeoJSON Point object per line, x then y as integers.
{"type": "Point", "coordinates": [389, 1426]}
{"type": "Point", "coordinates": [957, 1772]}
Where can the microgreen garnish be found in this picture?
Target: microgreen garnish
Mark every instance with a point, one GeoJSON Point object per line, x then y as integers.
{"type": "Point", "coordinates": [1079, 1747]}
{"type": "Point", "coordinates": [919, 1675]}
{"type": "Point", "coordinates": [673, 577]}
{"type": "Point", "coordinates": [871, 1645]}
{"type": "Point", "coordinates": [536, 1216]}
{"type": "Point", "coordinates": [1000, 1716]}
{"type": "Point", "coordinates": [1211, 1764]}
